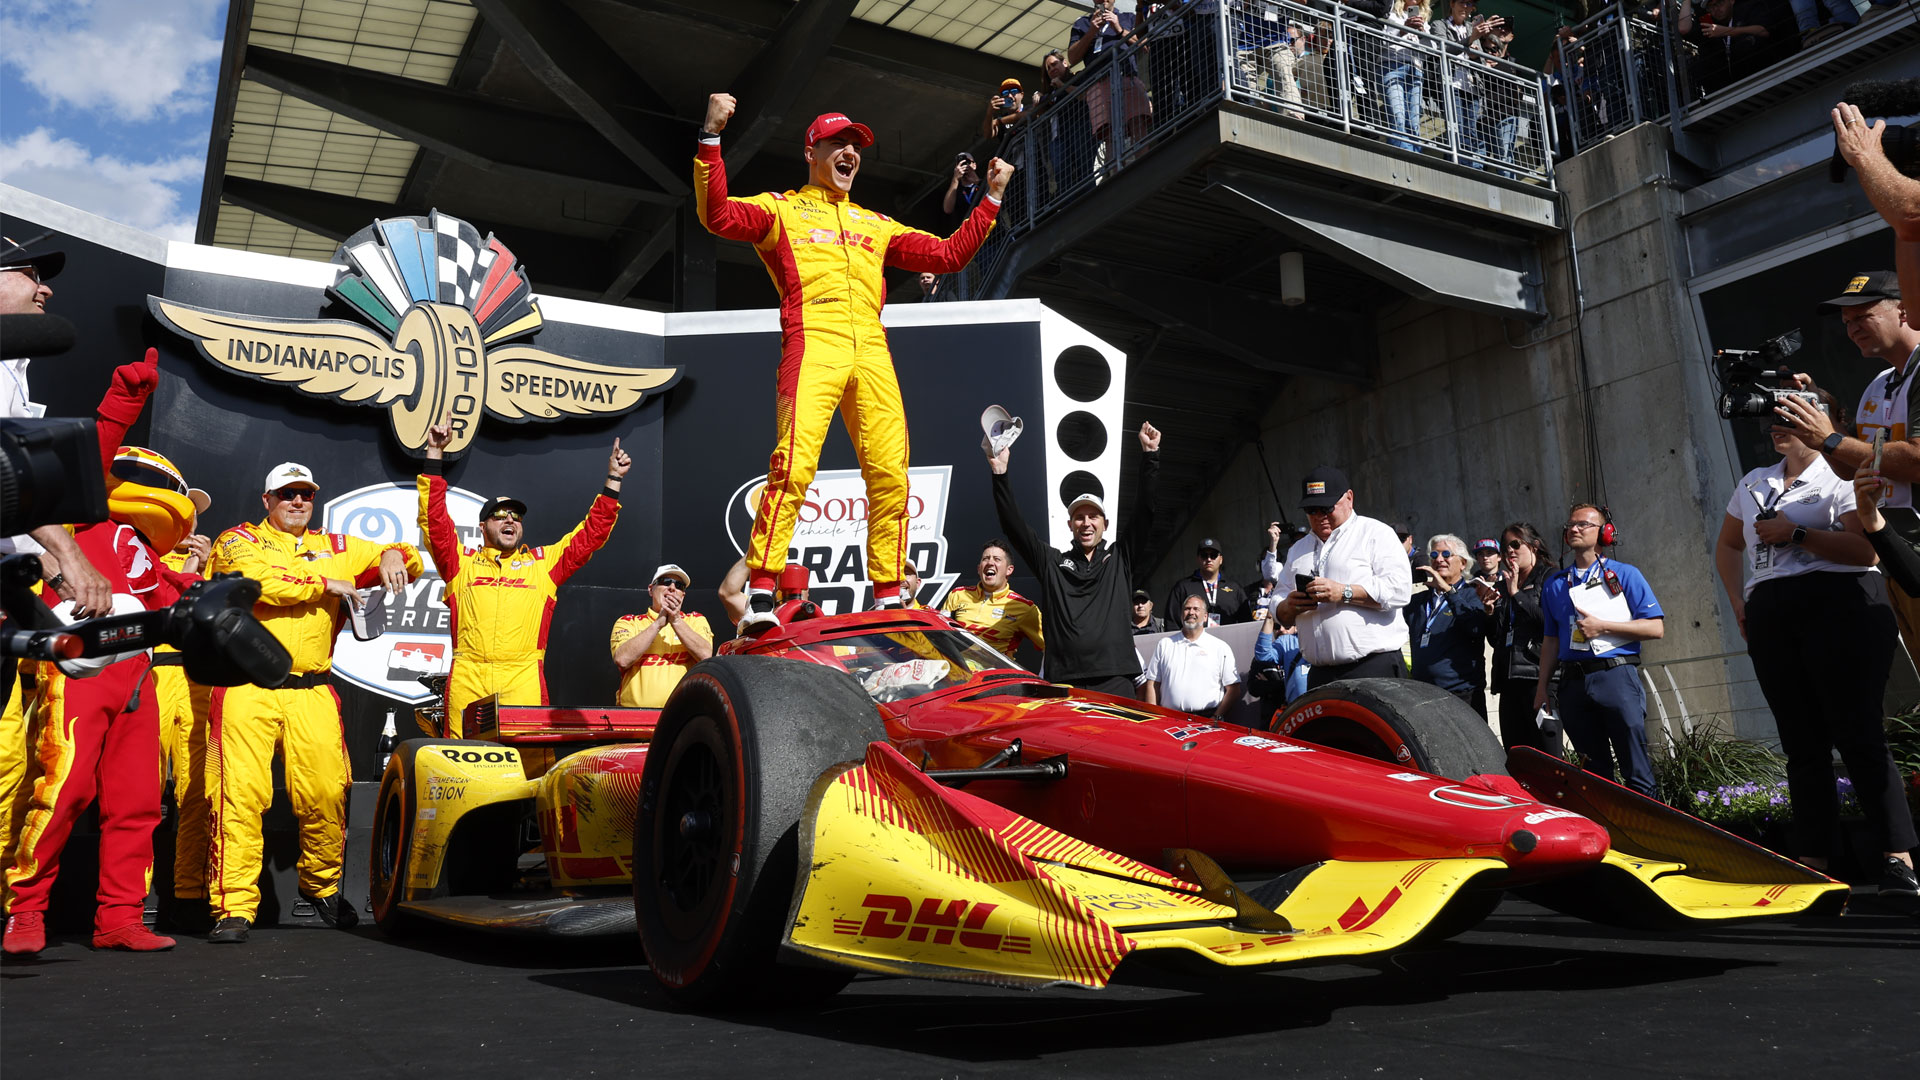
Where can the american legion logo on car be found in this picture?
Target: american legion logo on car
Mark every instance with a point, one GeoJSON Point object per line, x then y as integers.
{"type": "Point", "coordinates": [442, 306]}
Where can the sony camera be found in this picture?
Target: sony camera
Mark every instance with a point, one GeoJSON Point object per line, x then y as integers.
{"type": "Point", "coordinates": [1753, 382]}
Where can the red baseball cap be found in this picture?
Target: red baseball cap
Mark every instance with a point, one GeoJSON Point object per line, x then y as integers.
{"type": "Point", "coordinates": [827, 125]}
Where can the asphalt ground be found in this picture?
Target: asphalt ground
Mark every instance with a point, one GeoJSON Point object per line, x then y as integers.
{"type": "Point", "coordinates": [1529, 992]}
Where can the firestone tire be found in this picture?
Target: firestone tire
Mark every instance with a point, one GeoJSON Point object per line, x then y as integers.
{"type": "Point", "coordinates": [1399, 721]}
{"type": "Point", "coordinates": [392, 844]}
{"type": "Point", "coordinates": [716, 847]}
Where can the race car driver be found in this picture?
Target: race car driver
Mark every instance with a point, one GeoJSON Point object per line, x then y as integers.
{"type": "Point", "coordinates": [307, 578]}
{"type": "Point", "coordinates": [826, 256]}
{"type": "Point", "coordinates": [501, 593]}
{"type": "Point", "coordinates": [991, 609]}
{"type": "Point", "coordinates": [96, 736]}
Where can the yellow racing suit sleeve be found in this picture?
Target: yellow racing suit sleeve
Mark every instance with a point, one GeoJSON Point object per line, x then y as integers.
{"type": "Point", "coordinates": [241, 549]}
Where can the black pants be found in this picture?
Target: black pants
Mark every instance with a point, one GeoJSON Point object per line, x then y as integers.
{"type": "Point", "coordinates": [1822, 647]}
{"type": "Point", "coordinates": [1117, 685]}
{"type": "Point", "coordinates": [1516, 719]}
{"type": "Point", "coordinates": [1380, 665]}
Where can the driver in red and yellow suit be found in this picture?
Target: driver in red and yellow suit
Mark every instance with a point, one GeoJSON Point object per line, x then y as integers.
{"type": "Point", "coordinates": [308, 581]}
{"type": "Point", "coordinates": [501, 593]}
{"type": "Point", "coordinates": [826, 257]}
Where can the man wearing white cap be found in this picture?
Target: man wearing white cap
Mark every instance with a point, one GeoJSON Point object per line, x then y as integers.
{"type": "Point", "coordinates": [1087, 589]}
{"type": "Point", "coordinates": [501, 593]}
{"type": "Point", "coordinates": [305, 577]}
{"type": "Point", "coordinates": [654, 650]}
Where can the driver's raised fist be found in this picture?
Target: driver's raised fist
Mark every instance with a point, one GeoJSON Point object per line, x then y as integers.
{"type": "Point", "coordinates": [719, 110]}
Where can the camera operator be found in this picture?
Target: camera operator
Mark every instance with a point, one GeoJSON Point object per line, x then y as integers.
{"type": "Point", "coordinates": [1813, 603]}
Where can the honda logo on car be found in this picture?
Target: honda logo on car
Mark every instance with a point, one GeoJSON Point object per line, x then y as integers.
{"type": "Point", "coordinates": [1475, 799]}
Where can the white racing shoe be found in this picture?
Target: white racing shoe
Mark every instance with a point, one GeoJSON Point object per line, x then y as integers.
{"type": "Point", "coordinates": [759, 617]}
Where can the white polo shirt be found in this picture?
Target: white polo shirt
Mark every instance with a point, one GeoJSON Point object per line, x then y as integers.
{"type": "Point", "coordinates": [1193, 675]}
{"type": "Point", "coordinates": [16, 403]}
{"type": "Point", "coordinates": [1815, 501]}
{"type": "Point", "coordinates": [1881, 410]}
{"type": "Point", "coordinates": [1366, 553]}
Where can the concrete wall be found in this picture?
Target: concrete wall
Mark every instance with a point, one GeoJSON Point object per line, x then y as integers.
{"type": "Point", "coordinates": [1473, 422]}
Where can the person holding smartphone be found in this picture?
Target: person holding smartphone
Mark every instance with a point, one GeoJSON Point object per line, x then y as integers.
{"type": "Point", "coordinates": [1351, 578]}
{"type": "Point", "coordinates": [1517, 627]}
{"type": "Point", "coordinates": [1812, 602]}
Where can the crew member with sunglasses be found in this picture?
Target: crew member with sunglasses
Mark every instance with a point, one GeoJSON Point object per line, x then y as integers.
{"type": "Point", "coordinates": [501, 592]}
{"type": "Point", "coordinates": [654, 650]}
{"type": "Point", "coordinates": [307, 579]}
{"type": "Point", "coordinates": [1350, 578]}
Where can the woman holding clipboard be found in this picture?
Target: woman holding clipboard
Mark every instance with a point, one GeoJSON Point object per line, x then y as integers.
{"type": "Point", "coordinates": [1812, 602]}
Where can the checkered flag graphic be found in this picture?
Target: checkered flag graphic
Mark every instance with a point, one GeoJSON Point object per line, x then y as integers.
{"type": "Point", "coordinates": [457, 266]}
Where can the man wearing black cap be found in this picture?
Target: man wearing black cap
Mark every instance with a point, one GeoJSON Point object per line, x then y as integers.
{"type": "Point", "coordinates": [1876, 321]}
{"type": "Point", "coordinates": [1144, 622]}
{"type": "Point", "coordinates": [1351, 578]}
{"type": "Point", "coordinates": [501, 592]}
{"type": "Point", "coordinates": [1085, 588]}
{"type": "Point", "coordinates": [1226, 603]}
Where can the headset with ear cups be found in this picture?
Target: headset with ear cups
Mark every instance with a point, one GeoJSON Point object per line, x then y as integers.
{"type": "Point", "coordinates": [1607, 531]}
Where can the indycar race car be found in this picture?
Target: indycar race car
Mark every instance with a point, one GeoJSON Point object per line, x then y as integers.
{"type": "Point", "coordinates": [884, 792]}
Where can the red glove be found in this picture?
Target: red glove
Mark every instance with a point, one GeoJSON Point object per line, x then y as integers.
{"type": "Point", "coordinates": [137, 380]}
{"type": "Point", "coordinates": [132, 383]}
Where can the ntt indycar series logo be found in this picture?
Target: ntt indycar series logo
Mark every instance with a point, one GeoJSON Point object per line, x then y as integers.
{"type": "Point", "coordinates": [419, 637]}
{"type": "Point", "coordinates": [830, 534]}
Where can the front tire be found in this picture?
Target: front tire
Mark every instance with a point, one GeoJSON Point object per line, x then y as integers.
{"type": "Point", "coordinates": [716, 847]}
{"type": "Point", "coordinates": [1398, 721]}
{"type": "Point", "coordinates": [392, 845]}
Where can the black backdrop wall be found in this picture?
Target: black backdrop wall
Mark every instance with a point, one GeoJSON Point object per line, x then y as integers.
{"type": "Point", "coordinates": [694, 448]}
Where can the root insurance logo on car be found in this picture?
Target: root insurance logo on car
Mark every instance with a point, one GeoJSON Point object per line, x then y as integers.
{"type": "Point", "coordinates": [419, 637]}
{"type": "Point", "coordinates": [830, 534]}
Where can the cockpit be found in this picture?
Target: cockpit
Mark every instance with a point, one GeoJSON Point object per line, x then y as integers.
{"type": "Point", "coordinates": [898, 665]}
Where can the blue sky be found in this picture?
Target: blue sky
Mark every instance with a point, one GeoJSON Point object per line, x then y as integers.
{"type": "Point", "coordinates": [106, 105]}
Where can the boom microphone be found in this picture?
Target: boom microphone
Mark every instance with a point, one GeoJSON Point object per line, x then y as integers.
{"type": "Point", "coordinates": [1889, 97]}
{"type": "Point", "coordinates": [34, 335]}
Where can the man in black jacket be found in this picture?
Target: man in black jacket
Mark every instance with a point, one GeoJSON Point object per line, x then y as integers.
{"type": "Point", "coordinates": [1226, 603]}
{"type": "Point", "coordinates": [1087, 591]}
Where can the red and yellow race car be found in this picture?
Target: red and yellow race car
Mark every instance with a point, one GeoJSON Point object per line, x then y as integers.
{"type": "Point", "coordinates": [884, 792]}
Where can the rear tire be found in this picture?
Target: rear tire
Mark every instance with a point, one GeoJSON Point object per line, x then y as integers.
{"type": "Point", "coordinates": [1398, 721]}
{"type": "Point", "coordinates": [716, 846]}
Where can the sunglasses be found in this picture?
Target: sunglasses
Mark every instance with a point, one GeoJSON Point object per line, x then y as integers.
{"type": "Point", "coordinates": [28, 269]}
{"type": "Point", "coordinates": [503, 515]}
{"type": "Point", "coordinates": [1440, 555]}
{"type": "Point", "coordinates": [1515, 545]}
{"type": "Point", "coordinates": [1577, 526]}
{"type": "Point", "coordinates": [670, 583]}
{"type": "Point", "coordinates": [293, 494]}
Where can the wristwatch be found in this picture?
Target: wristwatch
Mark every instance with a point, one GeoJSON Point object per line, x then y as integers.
{"type": "Point", "coordinates": [1346, 594]}
{"type": "Point", "coordinates": [1799, 535]}
{"type": "Point", "coordinates": [1831, 443]}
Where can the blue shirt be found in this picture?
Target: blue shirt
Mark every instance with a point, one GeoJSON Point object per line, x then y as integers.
{"type": "Point", "coordinates": [1557, 609]}
{"type": "Point", "coordinates": [1449, 639]}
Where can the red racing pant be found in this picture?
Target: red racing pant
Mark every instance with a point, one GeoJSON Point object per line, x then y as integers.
{"type": "Point", "coordinates": [820, 373]}
{"type": "Point", "coordinates": [94, 740]}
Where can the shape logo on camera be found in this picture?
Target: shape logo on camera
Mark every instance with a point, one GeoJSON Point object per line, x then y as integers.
{"type": "Point", "coordinates": [443, 305]}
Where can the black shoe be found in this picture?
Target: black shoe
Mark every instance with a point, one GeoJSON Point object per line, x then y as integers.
{"type": "Point", "coordinates": [186, 915]}
{"type": "Point", "coordinates": [334, 910]}
{"type": "Point", "coordinates": [231, 930]}
{"type": "Point", "coordinates": [1897, 881]}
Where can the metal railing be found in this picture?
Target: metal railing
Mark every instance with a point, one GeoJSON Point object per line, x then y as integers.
{"type": "Point", "coordinates": [1320, 63]}
{"type": "Point", "coordinates": [1609, 74]}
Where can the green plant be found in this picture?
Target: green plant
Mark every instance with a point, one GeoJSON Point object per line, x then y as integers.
{"type": "Point", "coordinates": [1707, 761]}
{"type": "Point", "coordinates": [1749, 807]}
{"type": "Point", "coordinates": [1903, 738]}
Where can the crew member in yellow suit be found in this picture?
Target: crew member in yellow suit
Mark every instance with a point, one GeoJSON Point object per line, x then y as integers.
{"type": "Point", "coordinates": [653, 651]}
{"type": "Point", "coordinates": [501, 592]}
{"type": "Point", "coordinates": [183, 744]}
{"type": "Point", "coordinates": [308, 581]}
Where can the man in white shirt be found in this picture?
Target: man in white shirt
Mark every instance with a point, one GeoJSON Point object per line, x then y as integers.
{"type": "Point", "coordinates": [1350, 578]}
{"type": "Point", "coordinates": [1194, 671]}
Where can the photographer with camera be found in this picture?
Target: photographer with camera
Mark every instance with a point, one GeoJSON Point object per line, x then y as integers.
{"type": "Point", "coordinates": [1004, 110]}
{"type": "Point", "coordinates": [1812, 603]}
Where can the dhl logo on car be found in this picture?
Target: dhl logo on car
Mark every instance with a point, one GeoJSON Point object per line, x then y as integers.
{"type": "Point", "coordinates": [936, 920]}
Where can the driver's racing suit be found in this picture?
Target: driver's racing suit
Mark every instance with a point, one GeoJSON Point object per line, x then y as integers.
{"type": "Point", "coordinates": [826, 256]}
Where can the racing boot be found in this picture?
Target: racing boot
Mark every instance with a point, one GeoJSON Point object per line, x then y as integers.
{"type": "Point", "coordinates": [133, 937]}
{"type": "Point", "coordinates": [886, 595]}
{"type": "Point", "coordinates": [334, 910]}
{"type": "Point", "coordinates": [759, 617]}
{"type": "Point", "coordinates": [26, 933]}
{"type": "Point", "coordinates": [1899, 886]}
{"type": "Point", "coordinates": [231, 930]}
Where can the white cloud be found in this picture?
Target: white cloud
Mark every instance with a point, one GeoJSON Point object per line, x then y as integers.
{"type": "Point", "coordinates": [159, 196]}
{"type": "Point", "coordinates": [132, 59]}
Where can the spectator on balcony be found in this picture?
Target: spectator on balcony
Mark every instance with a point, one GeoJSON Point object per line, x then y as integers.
{"type": "Point", "coordinates": [1806, 15]}
{"type": "Point", "coordinates": [1183, 54]}
{"type": "Point", "coordinates": [1097, 38]}
{"type": "Point", "coordinates": [964, 189]}
{"type": "Point", "coordinates": [1268, 53]}
{"type": "Point", "coordinates": [1463, 31]}
{"type": "Point", "coordinates": [1727, 38]}
{"type": "Point", "coordinates": [930, 287]}
{"type": "Point", "coordinates": [1060, 118]}
{"type": "Point", "coordinates": [1005, 109]}
{"type": "Point", "coordinates": [1401, 80]}
{"type": "Point", "coordinates": [1500, 122]}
